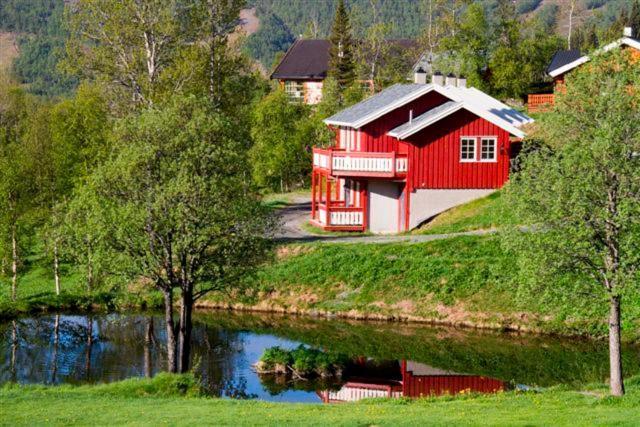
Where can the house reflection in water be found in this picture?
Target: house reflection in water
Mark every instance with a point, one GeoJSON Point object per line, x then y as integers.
{"type": "Point", "coordinates": [407, 379]}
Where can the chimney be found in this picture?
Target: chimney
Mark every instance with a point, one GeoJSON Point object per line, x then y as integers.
{"type": "Point", "coordinates": [420, 76]}
{"type": "Point", "coordinates": [628, 32]}
{"type": "Point", "coordinates": [451, 80]}
{"type": "Point", "coordinates": [462, 81]}
{"type": "Point", "coordinates": [410, 116]}
{"type": "Point", "coordinates": [437, 79]}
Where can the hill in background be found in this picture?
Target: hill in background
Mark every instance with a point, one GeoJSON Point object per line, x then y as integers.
{"type": "Point", "coordinates": [282, 21]}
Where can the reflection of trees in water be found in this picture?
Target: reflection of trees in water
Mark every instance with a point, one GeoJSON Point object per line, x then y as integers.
{"type": "Point", "coordinates": [61, 348]}
{"type": "Point", "coordinates": [215, 353]}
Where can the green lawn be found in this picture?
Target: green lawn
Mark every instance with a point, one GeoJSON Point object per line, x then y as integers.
{"type": "Point", "coordinates": [481, 214]}
{"type": "Point", "coordinates": [141, 402]}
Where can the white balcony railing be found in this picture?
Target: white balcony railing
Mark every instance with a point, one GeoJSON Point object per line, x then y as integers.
{"type": "Point", "coordinates": [360, 163]}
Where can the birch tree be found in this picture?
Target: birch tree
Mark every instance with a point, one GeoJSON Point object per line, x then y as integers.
{"type": "Point", "coordinates": [133, 47]}
{"type": "Point", "coordinates": [16, 185]}
{"type": "Point", "coordinates": [176, 211]}
{"type": "Point", "coordinates": [582, 196]}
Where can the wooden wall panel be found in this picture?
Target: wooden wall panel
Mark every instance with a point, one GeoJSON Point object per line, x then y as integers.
{"type": "Point", "coordinates": [434, 155]}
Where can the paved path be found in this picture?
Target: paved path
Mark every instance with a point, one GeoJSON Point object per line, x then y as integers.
{"type": "Point", "coordinates": [297, 212]}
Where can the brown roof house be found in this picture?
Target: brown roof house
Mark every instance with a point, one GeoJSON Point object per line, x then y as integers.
{"type": "Point", "coordinates": [302, 70]}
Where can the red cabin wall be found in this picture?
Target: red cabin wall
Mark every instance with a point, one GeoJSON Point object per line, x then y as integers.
{"type": "Point", "coordinates": [434, 155]}
{"type": "Point", "coordinates": [438, 385]}
{"type": "Point", "coordinates": [374, 136]}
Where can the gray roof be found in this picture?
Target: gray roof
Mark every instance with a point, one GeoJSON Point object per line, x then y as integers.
{"type": "Point", "coordinates": [378, 102]}
{"type": "Point", "coordinates": [562, 58]}
{"type": "Point", "coordinates": [424, 118]}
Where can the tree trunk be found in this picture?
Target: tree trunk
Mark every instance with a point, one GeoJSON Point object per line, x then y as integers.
{"type": "Point", "coordinates": [186, 310]}
{"type": "Point", "coordinates": [56, 266]}
{"type": "Point", "coordinates": [14, 263]}
{"type": "Point", "coordinates": [615, 353]}
{"type": "Point", "coordinates": [87, 365]}
{"type": "Point", "coordinates": [56, 341]}
{"type": "Point", "coordinates": [89, 270]}
{"type": "Point", "coordinates": [14, 350]}
{"type": "Point", "coordinates": [172, 364]}
{"type": "Point", "coordinates": [148, 341]}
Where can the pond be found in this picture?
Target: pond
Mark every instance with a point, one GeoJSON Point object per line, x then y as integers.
{"type": "Point", "coordinates": [387, 359]}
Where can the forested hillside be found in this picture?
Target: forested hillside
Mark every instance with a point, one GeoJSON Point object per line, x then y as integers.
{"type": "Point", "coordinates": [284, 20]}
{"type": "Point", "coordinates": [37, 26]}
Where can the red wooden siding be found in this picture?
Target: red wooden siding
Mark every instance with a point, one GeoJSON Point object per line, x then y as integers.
{"type": "Point", "coordinates": [438, 385]}
{"type": "Point", "coordinates": [434, 155]}
{"type": "Point", "coordinates": [374, 136]}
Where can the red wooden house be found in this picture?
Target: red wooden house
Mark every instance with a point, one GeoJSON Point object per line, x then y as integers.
{"type": "Point", "coordinates": [413, 380]}
{"type": "Point", "coordinates": [565, 61]}
{"type": "Point", "coordinates": [410, 152]}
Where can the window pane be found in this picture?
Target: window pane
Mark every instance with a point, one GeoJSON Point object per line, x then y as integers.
{"type": "Point", "coordinates": [294, 89]}
{"type": "Point", "coordinates": [488, 149]}
{"type": "Point", "coordinates": [468, 149]}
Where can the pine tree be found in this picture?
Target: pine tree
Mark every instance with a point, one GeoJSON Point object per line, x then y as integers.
{"type": "Point", "coordinates": [341, 52]}
{"type": "Point", "coordinates": [633, 19]}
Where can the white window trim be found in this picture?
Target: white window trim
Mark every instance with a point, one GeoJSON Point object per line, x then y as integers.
{"type": "Point", "coordinates": [495, 149]}
{"type": "Point", "coordinates": [475, 150]}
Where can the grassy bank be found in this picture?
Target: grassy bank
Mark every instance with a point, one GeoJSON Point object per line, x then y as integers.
{"type": "Point", "coordinates": [461, 281]}
{"type": "Point", "coordinates": [174, 400]}
{"type": "Point", "coordinates": [36, 293]}
{"type": "Point", "coordinates": [481, 214]}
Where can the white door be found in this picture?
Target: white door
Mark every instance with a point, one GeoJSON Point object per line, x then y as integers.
{"type": "Point", "coordinates": [384, 206]}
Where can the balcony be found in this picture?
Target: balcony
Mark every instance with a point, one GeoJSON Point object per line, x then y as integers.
{"type": "Point", "coordinates": [337, 217]}
{"type": "Point", "coordinates": [341, 163]}
{"type": "Point", "coordinates": [540, 103]}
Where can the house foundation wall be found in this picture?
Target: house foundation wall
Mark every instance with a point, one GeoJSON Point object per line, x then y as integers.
{"type": "Point", "coordinates": [426, 203]}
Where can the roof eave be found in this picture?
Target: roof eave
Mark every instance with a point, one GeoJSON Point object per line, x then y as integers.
{"type": "Point", "coordinates": [568, 67]}
{"type": "Point", "coordinates": [426, 124]}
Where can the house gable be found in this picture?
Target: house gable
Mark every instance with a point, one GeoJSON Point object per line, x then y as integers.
{"type": "Point", "coordinates": [435, 154]}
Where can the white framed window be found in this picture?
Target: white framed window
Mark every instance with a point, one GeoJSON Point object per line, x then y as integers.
{"type": "Point", "coordinates": [295, 90]}
{"type": "Point", "coordinates": [488, 149]}
{"type": "Point", "coordinates": [467, 149]}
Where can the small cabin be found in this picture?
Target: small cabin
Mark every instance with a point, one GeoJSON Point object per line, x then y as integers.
{"type": "Point", "coordinates": [411, 152]}
{"type": "Point", "coordinates": [565, 61]}
{"type": "Point", "coordinates": [303, 69]}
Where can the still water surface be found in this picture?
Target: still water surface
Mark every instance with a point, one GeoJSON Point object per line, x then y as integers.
{"type": "Point", "coordinates": [387, 359]}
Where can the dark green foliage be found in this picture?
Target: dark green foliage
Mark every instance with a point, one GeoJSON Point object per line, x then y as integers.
{"type": "Point", "coordinates": [272, 37]}
{"type": "Point", "coordinates": [37, 66]}
{"type": "Point", "coordinates": [526, 6]}
{"type": "Point", "coordinates": [341, 52]}
{"type": "Point", "coordinates": [27, 16]}
{"type": "Point", "coordinates": [594, 4]}
{"type": "Point", "coordinates": [303, 361]}
{"type": "Point", "coordinates": [547, 17]}
{"type": "Point", "coordinates": [41, 44]}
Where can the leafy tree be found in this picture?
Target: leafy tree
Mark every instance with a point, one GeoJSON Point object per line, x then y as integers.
{"type": "Point", "coordinates": [279, 162]}
{"type": "Point", "coordinates": [467, 51]}
{"type": "Point", "coordinates": [516, 69]}
{"type": "Point", "coordinates": [79, 137]}
{"type": "Point", "coordinates": [176, 210]}
{"type": "Point", "coordinates": [341, 52]}
{"type": "Point", "coordinates": [134, 48]}
{"type": "Point", "coordinates": [17, 187]}
{"type": "Point", "coordinates": [582, 196]}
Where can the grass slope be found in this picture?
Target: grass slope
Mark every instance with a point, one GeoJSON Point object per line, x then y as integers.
{"type": "Point", "coordinates": [481, 214]}
{"type": "Point", "coordinates": [463, 280]}
{"type": "Point", "coordinates": [169, 400]}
